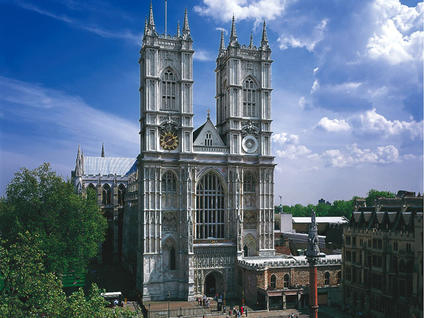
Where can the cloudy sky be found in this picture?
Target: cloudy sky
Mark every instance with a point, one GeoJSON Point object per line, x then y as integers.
{"type": "Point", "coordinates": [347, 78]}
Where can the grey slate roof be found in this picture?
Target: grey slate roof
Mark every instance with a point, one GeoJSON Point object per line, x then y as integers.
{"type": "Point", "coordinates": [107, 165]}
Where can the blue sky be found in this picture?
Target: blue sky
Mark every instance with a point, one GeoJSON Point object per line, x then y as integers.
{"type": "Point", "coordinates": [347, 79]}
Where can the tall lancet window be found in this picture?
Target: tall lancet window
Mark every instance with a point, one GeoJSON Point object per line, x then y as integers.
{"type": "Point", "coordinates": [169, 191]}
{"type": "Point", "coordinates": [249, 98]}
{"type": "Point", "coordinates": [209, 208]}
{"type": "Point", "coordinates": [169, 91]}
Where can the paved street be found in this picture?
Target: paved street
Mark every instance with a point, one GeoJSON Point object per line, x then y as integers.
{"type": "Point", "coordinates": [159, 309]}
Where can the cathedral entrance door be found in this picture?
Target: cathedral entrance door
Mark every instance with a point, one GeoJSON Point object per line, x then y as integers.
{"type": "Point", "coordinates": [214, 284]}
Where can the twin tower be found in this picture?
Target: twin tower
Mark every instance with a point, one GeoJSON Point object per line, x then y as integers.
{"type": "Point", "coordinates": [205, 195]}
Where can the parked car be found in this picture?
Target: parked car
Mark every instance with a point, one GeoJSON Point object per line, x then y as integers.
{"type": "Point", "coordinates": [114, 298]}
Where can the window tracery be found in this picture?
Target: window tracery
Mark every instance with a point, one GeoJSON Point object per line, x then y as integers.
{"type": "Point", "coordinates": [209, 208]}
{"type": "Point", "coordinates": [249, 98]}
{"type": "Point", "coordinates": [169, 91]}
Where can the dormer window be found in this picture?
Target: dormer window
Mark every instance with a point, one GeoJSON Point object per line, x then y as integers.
{"type": "Point", "coordinates": [208, 139]}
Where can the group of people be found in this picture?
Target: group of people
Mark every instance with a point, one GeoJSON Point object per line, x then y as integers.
{"type": "Point", "coordinates": [237, 312]}
{"type": "Point", "coordinates": [293, 316]}
{"type": "Point", "coordinates": [203, 301]}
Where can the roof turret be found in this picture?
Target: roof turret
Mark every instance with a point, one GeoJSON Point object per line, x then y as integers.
{"type": "Point", "coordinates": [233, 36]}
{"type": "Point", "coordinates": [264, 41]}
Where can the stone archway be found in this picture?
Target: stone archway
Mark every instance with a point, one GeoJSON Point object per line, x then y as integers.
{"type": "Point", "coordinates": [214, 284]}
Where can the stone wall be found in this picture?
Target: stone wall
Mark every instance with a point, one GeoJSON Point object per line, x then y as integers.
{"type": "Point", "coordinates": [299, 276]}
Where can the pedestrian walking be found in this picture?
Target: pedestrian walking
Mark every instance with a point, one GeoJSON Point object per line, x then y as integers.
{"type": "Point", "coordinates": [245, 311]}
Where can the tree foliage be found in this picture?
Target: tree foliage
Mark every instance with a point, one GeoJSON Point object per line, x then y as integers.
{"type": "Point", "coordinates": [70, 227]}
{"type": "Point", "coordinates": [30, 291]}
{"type": "Point", "coordinates": [373, 195]}
{"type": "Point", "coordinates": [338, 207]}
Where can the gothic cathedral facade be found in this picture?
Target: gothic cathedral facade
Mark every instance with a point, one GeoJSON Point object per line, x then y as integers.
{"type": "Point", "coordinates": [205, 195]}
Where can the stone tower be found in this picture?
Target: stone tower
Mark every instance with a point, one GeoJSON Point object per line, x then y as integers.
{"type": "Point", "coordinates": [243, 115]}
{"type": "Point", "coordinates": [166, 136]}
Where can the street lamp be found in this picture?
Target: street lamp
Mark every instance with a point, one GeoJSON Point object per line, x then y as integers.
{"type": "Point", "coordinates": [169, 295]}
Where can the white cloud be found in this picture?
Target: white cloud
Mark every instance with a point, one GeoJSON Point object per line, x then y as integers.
{"type": "Point", "coordinates": [398, 36]}
{"type": "Point", "coordinates": [68, 115]}
{"type": "Point", "coordinates": [290, 148]}
{"type": "Point", "coordinates": [202, 55]}
{"type": "Point", "coordinates": [95, 29]}
{"type": "Point", "coordinates": [353, 156]}
{"type": "Point", "coordinates": [222, 29]}
{"type": "Point", "coordinates": [308, 41]}
{"type": "Point", "coordinates": [373, 122]}
{"type": "Point", "coordinates": [283, 138]}
{"type": "Point", "coordinates": [292, 151]}
{"type": "Point", "coordinates": [333, 125]}
{"type": "Point", "coordinates": [315, 86]}
{"type": "Point", "coordinates": [302, 102]}
{"type": "Point", "coordinates": [257, 10]}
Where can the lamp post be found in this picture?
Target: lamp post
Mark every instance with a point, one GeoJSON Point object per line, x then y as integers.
{"type": "Point", "coordinates": [169, 295]}
{"type": "Point", "coordinates": [313, 254]}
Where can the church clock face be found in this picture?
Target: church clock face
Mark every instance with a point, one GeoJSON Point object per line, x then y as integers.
{"type": "Point", "coordinates": [169, 141]}
{"type": "Point", "coordinates": [250, 144]}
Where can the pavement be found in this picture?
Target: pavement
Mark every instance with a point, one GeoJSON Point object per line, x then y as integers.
{"type": "Point", "coordinates": [324, 311]}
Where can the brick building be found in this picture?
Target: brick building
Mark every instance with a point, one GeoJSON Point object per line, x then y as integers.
{"type": "Point", "coordinates": [283, 282]}
{"type": "Point", "coordinates": [383, 258]}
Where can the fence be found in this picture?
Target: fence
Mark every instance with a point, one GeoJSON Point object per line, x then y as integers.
{"type": "Point", "coordinates": [181, 312]}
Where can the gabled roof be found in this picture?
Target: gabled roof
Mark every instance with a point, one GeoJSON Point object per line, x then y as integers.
{"type": "Point", "coordinates": [199, 135]}
{"type": "Point", "coordinates": [107, 165]}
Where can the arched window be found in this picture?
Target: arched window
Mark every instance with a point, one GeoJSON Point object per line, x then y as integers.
{"type": "Point", "coordinates": [339, 277]}
{"type": "Point", "coordinates": [249, 98]}
{"type": "Point", "coordinates": [208, 139]}
{"type": "Point", "coordinates": [286, 281]}
{"type": "Point", "coordinates": [249, 183]}
{"type": "Point", "coordinates": [169, 90]}
{"type": "Point", "coordinates": [172, 259]}
{"type": "Point", "coordinates": [326, 278]}
{"type": "Point", "coordinates": [121, 194]}
{"type": "Point", "coordinates": [273, 281]}
{"type": "Point", "coordinates": [209, 208]}
{"type": "Point", "coordinates": [106, 195]}
{"type": "Point", "coordinates": [169, 182]}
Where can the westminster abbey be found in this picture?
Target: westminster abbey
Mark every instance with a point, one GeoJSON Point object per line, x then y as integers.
{"type": "Point", "coordinates": [196, 201]}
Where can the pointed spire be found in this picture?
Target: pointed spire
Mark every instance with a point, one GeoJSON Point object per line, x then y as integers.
{"type": "Point", "coordinates": [103, 150]}
{"type": "Point", "coordinates": [79, 163]}
{"type": "Point", "coordinates": [222, 45]}
{"type": "Point", "coordinates": [251, 40]}
{"type": "Point", "coordinates": [233, 36]}
{"type": "Point", "coordinates": [151, 19]}
{"type": "Point", "coordinates": [209, 114]}
{"type": "Point", "coordinates": [178, 29]}
{"type": "Point", "coordinates": [145, 26]}
{"type": "Point", "coordinates": [186, 27]}
{"type": "Point", "coordinates": [264, 41]}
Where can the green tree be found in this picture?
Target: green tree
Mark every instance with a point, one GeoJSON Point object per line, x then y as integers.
{"type": "Point", "coordinates": [70, 227]}
{"type": "Point", "coordinates": [341, 208]}
{"type": "Point", "coordinates": [375, 194]}
{"type": "Point", "coordinates": [323, 209]}
{"type": "Point", "coordinates": [30, 291]}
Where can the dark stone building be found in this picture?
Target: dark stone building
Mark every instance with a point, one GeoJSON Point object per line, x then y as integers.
{"type": "Point", "coordinates": [383, 258]}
